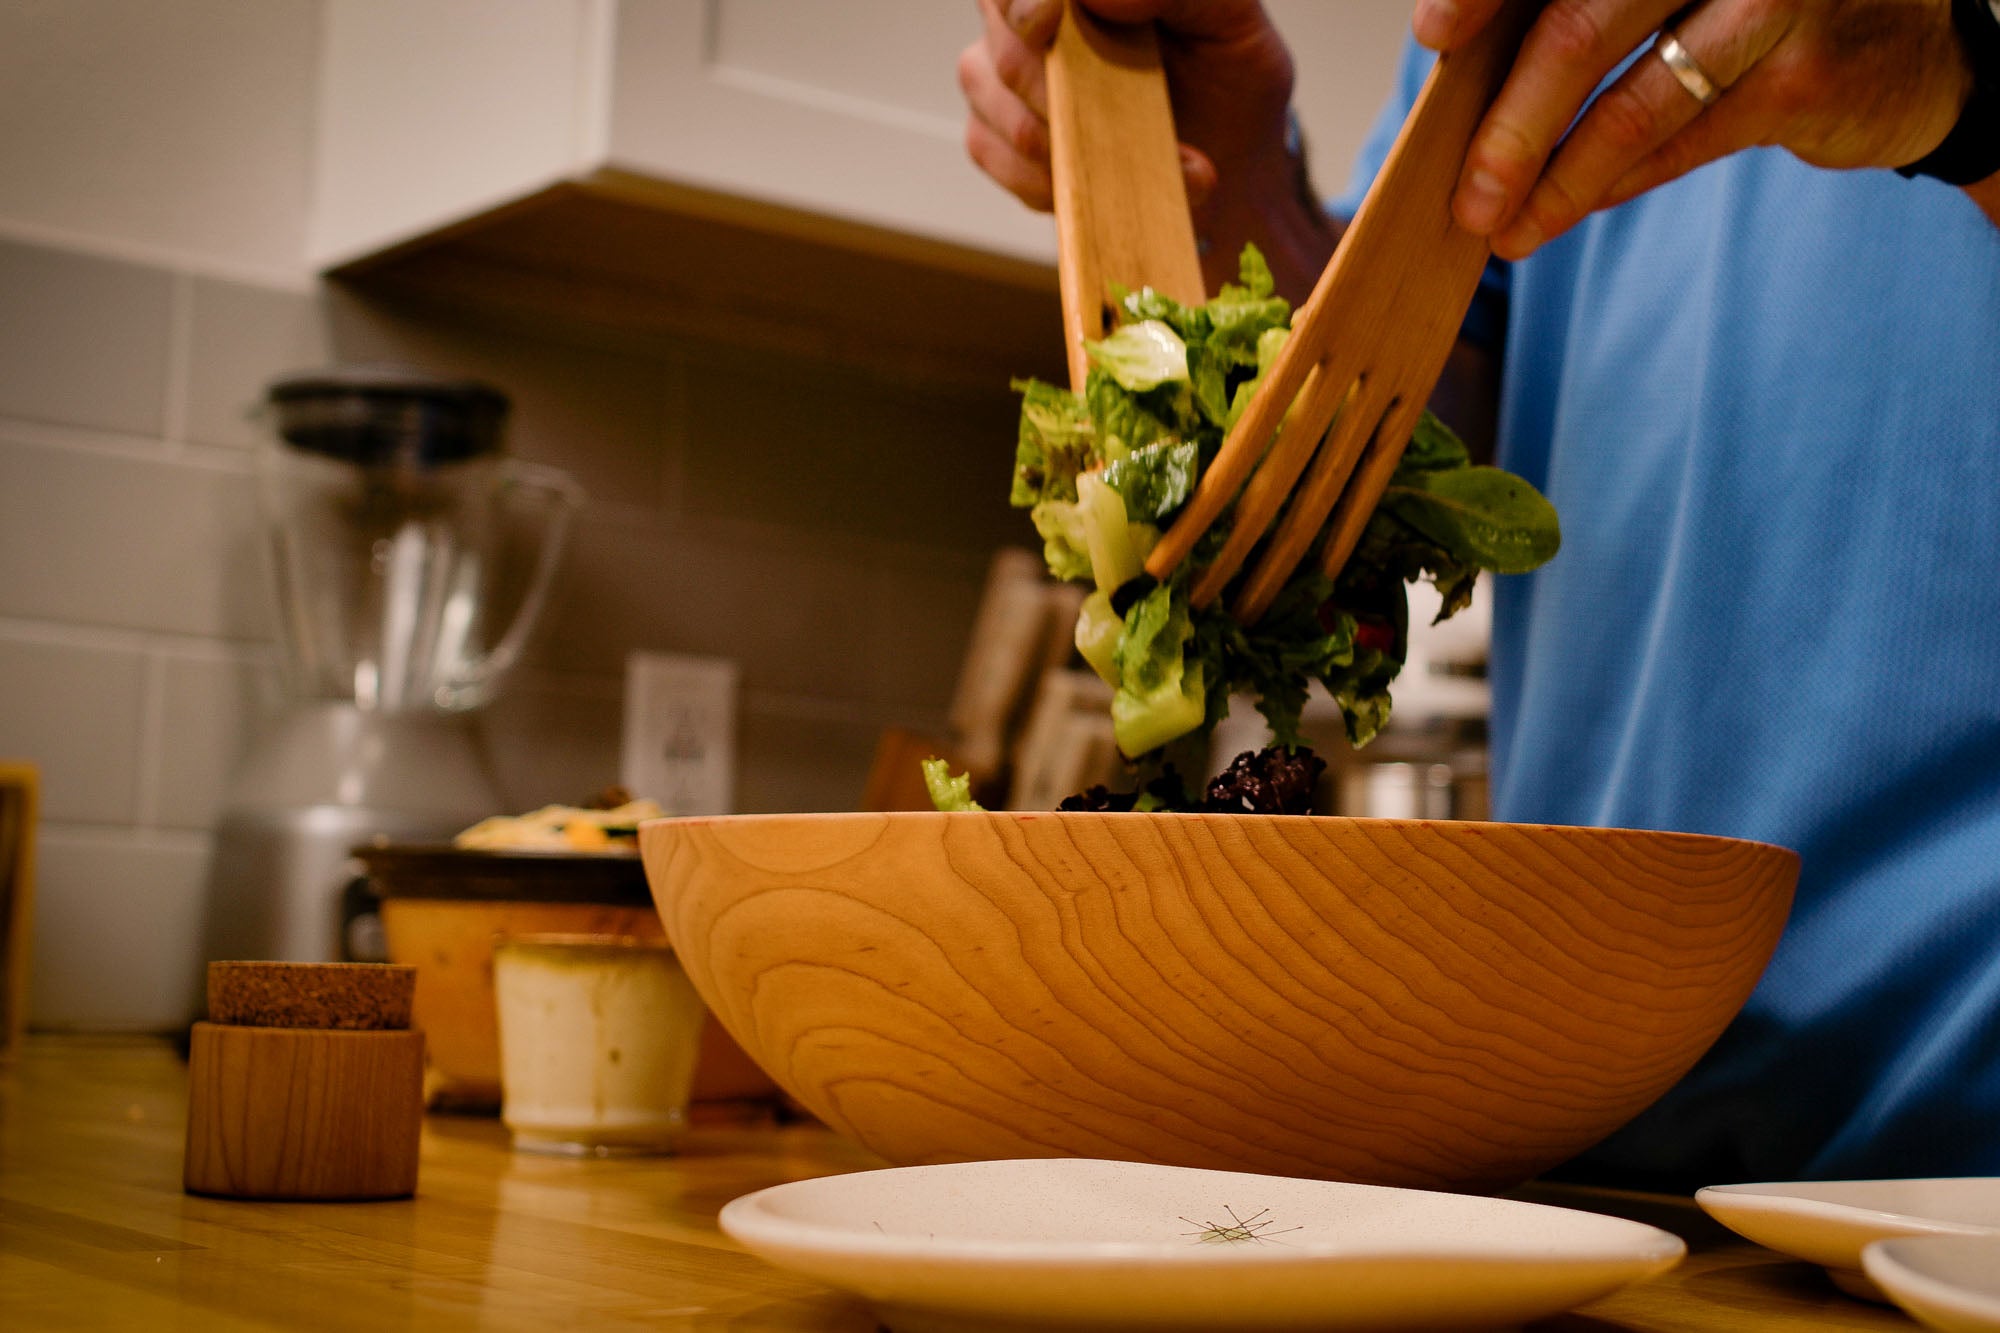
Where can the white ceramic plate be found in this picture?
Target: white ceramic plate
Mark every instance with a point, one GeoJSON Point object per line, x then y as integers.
{"type": "Point", "coordinates": [1071, 1243]}
{"type": "Point", "coordinates": [1829, 1222]}
{"type": "Point", "coordinates": [1946, 1282]}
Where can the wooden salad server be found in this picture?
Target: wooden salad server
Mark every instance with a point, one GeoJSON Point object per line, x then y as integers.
{"type": "Point", "coordinates": [1366, 348]}
{"type": "Point", "coordinates": [1121, 205]}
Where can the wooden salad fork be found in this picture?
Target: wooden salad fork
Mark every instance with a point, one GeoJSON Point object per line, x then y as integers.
{"type": "Point", "coordinates": [1366, 348]}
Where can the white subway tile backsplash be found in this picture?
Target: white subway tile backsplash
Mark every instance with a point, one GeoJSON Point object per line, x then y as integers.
{"type": "Point", "coordinates": [828, 532]}
{"type": "Point", "coordinates": [212, 708]}
{"type": "Point", "coordinates": [595, 414]}
{"type": "Point", "coordinates": [793, 613]}
{"type": "Point", "coordinates": [811, 447]}
{"type": "Point", "coordinates": [118, 929]}
{"type": "Point", "coordinates": [83, 340]}
{"type": "Point", "coordinates": [74, 711]}
{"type": "Point", "coordinates": [920, 615]}
{"type": "Point", "coordinates": [792, 760]}
{"type": "Point", "coordinates": [554, 739]}
{"type": "Point", "coordinates": [99, 539]}
{"type": "Point", "coordinates": [240, 339]}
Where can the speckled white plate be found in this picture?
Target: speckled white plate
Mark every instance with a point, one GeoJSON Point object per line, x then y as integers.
{"type": "Point", "coordinates": [1829, 1222]}
{"type": "Point", "coordinates": [1077, 1244]}
{"type": "Point", "coordinates": [1944, 1282]}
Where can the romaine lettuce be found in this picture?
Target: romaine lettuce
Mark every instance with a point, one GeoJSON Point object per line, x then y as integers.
{"type": "Point", "coordinates": [949, 793]}
{"type": "Point", "coordinates": [1102, 468]}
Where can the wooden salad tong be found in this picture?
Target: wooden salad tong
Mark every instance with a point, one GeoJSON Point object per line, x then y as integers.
{"type": "Point", "coordinates": [1366, 348]}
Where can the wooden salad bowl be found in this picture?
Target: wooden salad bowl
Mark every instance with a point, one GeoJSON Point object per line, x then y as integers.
{"type": "Point", "coordinates": [1404, 1002]}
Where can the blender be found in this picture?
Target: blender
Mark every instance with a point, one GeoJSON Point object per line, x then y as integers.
{"type": "Point", "coordinates": [389, 509]}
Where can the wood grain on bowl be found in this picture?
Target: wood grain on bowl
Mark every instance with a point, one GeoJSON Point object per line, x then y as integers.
{"type": "Point", "coordinates": [1398, 1002]}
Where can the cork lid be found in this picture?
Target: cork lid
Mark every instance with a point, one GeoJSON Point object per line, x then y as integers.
{"type": "Point", "coordinates": [351, 996]}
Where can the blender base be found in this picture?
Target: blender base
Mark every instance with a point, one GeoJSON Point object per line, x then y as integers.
{"type": "Point", "coordinates": [328, 777]}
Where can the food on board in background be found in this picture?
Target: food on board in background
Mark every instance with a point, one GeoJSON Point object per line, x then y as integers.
{"type": "Point", "coordinates": [564, 828]}
{"type": "Point", "coordinates": [1104, 472]}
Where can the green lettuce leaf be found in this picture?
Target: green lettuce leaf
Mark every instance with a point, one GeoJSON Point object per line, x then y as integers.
{"type": "Point", "coordinates": [1126, 421]}
{"type": "Point", "coordinates": [1162, 393]}
{"type": "Point", "coordinates": [949, 793]}
{"type": "Point", "coordinates": [1156, 628]}
{"type": "Point", "coordinates": [1143, 721]}
{"type": "Point", "coordinates": [1483, 516]}
{"type": "Point", "coordinates": [1155, 481]}
{"type": "Point", "coordinates": [1433, 447]}
{"type": "Point", "coordinates": [1142, 356]}
{"type": "Point", "coordinates": [1065, 545]}
{"type": "Point", "coordinates": [1054, 443]}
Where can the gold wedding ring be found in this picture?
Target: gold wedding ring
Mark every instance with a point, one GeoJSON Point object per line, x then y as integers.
{"type": "Point", "coordinates": [1683, 67]}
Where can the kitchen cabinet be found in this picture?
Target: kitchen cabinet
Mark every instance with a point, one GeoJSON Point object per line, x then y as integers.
{"type": "Point", "coordinates": [763, 171]}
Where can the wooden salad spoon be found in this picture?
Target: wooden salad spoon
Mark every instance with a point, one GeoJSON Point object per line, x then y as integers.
{"type": "Point", "coordinates": [1366, 348]}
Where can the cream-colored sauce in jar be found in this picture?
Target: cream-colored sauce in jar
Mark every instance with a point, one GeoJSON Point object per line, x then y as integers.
{"type": "Point", "coordinates": [598, 1038]}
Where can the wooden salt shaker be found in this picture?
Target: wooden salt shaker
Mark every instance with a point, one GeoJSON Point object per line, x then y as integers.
{"type": "Point", "coordinates": [305, 1083]}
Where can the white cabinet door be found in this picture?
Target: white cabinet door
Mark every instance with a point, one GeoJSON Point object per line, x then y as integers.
{"type": "Point", "coordinates": [434, 111]}
{"type": "Point", "coordinates": [850, 110]}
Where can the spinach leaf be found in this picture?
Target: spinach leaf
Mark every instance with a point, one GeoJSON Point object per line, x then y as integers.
{"type": "Point", "coordinates": [1482, 515]}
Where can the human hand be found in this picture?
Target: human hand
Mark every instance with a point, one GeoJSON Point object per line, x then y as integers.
{"type": "Point", "coordinates": [1839, 83]}
{"type": "Point", "coordinates": [1227, 69]}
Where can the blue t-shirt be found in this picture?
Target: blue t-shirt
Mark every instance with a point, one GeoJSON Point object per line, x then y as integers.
{"type": "Point", "coordinates": [1765, 400]}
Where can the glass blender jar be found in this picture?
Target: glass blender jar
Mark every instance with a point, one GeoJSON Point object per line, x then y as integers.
{"type": "Point", "coordinates": [388, 509]}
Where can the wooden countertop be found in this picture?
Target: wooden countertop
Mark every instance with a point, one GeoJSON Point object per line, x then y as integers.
{"type": "Point", "coordinates": [95, 1232]}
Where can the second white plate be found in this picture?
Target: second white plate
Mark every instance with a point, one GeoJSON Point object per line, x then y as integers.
{"type": "Point", "coordinates": [1944, 1282]}
{"type": "Point", "coordinates": [1080, 1244]}
{"type": "Point", "coordinates": [1829, 1222]}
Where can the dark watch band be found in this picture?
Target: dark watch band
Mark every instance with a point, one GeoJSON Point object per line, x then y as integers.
{"type": "Point", "coordinates": [1971, 152]}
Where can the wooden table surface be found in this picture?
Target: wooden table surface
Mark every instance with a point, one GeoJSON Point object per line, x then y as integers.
{"type": "Point", "coordinates": [95, 1232]}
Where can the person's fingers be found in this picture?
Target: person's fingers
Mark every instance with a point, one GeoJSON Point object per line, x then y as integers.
{"type": "Point", "coordinates": [1444, 24]}
{"type": "Point", "coordinates": [1199, 175]}
{"type": "Point", "coordinates": [996, 104]}
{"type": "Point", "coordinates": [1018, 64]}
{"type": "Point", "coordinates": [1026, 179]}
{"type": "Point", "coordinates": [1644, 109]}
{"type": "Point", "coordinates": [1567, 53]}
{"type": "Point", "coordinates": [1004, 136]}
{"type": "Point", "coordinates": [1730, 125]}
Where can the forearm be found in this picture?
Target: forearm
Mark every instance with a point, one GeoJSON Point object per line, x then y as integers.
{"type": "Point", "coordinates": [1269, 203]}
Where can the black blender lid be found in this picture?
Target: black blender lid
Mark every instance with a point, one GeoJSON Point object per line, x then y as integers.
{"type": "Point", "coordinates": [387, 414]}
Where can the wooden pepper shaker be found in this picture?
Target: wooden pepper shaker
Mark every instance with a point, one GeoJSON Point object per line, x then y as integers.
{"type": "Point", "coordinates": [305, 1083]}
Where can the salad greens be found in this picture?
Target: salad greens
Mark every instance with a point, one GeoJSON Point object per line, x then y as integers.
{"type": "Point", "coordinates": [1103, 472]}
{"type": "Point", "coordinates": [949, 793]}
